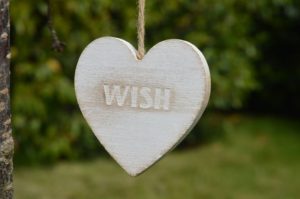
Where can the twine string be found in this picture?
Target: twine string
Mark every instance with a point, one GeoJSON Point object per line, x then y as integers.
{"type": "Point", "coordinates": [141, 29]}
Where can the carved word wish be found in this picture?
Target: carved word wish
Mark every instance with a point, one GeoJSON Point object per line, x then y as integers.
{"type": "Point", "coordinates": [137, 97]}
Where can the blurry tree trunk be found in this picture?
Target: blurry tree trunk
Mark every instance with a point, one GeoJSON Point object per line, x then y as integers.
{"type": "Point", "coordinates": [6, 141]}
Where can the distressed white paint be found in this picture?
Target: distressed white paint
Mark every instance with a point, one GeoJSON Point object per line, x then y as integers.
{"type": "Point", "coordinates": [141, 109]}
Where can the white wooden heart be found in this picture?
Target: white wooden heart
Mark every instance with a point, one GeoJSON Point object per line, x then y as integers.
{"type": "Point", "coordinates": [140, 109]}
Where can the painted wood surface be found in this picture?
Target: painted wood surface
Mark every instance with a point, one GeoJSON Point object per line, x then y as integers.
{"type": "Point", "coordinates": [141, 109]}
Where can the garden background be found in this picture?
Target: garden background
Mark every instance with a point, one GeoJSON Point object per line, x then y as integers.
{"type": "Point", "coordinates": [247, 143]}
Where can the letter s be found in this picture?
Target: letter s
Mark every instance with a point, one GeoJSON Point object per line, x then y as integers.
{"type": "Point", "coordinates": [148, 101]}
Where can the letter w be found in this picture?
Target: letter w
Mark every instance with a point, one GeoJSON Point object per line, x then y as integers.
{"type": "Point", "coordinates": [115, 94]}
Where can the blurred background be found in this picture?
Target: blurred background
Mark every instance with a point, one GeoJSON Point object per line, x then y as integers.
{"type": "Point", "coordinates": [246, 145]}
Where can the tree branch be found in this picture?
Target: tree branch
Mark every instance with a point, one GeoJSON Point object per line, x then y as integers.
{"type": "Point", "coordinates": [57, 45]}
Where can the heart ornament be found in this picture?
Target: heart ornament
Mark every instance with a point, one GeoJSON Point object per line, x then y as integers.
{"type": "Point", "coordinates": [141, 109]}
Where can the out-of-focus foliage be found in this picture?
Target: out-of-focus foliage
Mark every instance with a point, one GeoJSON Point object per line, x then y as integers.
{"type": "Point", "coordinates": [47, 121]}
{"type": "Point", "coordinates": [278, 67]}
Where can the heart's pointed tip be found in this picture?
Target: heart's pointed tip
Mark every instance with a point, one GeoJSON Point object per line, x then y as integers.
{"type": "Point", "coordinates": [134, 172]}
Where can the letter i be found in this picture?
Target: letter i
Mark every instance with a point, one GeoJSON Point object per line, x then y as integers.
{"type": "Point", "coordinates": [134, 96]}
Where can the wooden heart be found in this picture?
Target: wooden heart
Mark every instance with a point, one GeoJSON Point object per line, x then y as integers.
{"type": "Point", "coordinates": [141, 109]}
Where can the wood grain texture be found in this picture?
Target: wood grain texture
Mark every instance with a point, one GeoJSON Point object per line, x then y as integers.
{"type": "Point", "coordinates": [140, 109]}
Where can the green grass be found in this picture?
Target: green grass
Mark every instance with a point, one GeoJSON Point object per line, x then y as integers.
{"type": "Point", "coordinates": [257, 158]}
